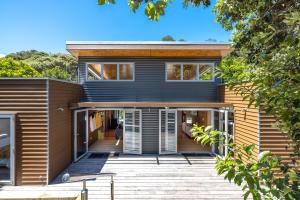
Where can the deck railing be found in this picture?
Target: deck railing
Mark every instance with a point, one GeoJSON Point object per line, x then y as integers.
{"type": "Point", "coordinates": [91, 176]}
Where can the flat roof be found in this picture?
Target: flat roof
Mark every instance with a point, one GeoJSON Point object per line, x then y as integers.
{"type": "Point", "coordinates": [150, 105]}
{"type": "Point", "coordinates": [147, 49]}
{"type": "Point", "coordinates": [148, 42]}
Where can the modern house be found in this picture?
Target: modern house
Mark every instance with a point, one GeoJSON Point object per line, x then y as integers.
{"type": "Point", "coordinates": [131, 98]}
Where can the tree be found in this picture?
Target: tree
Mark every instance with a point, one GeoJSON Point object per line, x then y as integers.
{"type": "Point", "coordinates": [156, 8]}
{"type": "Point", "coordinates": [256, 176]}
{"type": "Point", "coordinates": [23, 55]}
{"type": "Point", "coordinates": [168, 38]}
{"type": "Point", "coordinates": [42, 61]}
{"type": "Point", "coordinates": [56, 72]}
{"type": "Point", "coordinates": [12, 68]}
{"type": "Point", "coordinates": [266, 52]}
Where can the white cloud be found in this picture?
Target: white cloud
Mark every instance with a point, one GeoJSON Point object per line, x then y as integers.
{"type": "Point", "coordinates": [2, 55]}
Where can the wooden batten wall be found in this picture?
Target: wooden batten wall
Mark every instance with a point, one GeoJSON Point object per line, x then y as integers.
{"type": "Point", "coordinates": [274, 140]}
{"type": "Point", "coordinates": [246, 119]}
{"type": "Point", "coordinates": [28, 98]}
{"type": "Point", "coordinates": [43, 134]}
{"type": "Point", "coordinates": [255, 127]}
{"type": "Point", "coordinates": [61, 95]}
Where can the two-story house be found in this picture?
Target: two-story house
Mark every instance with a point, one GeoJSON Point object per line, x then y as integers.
{"type": "Point", "coordinates": [153, 91]}
{"type": "Point", "coordinates": [131, 98]}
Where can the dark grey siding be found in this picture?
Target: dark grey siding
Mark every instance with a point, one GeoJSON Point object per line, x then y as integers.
{"type": "Point", "coordinates": [149, 84]}
{"type": "Point", "coordinates": [150, 130]}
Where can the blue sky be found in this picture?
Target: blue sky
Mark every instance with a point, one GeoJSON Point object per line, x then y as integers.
{"type": "Point", "coordinates": [46, 25]}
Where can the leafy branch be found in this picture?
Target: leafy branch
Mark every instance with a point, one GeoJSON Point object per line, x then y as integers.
{"type": "Point", "coordinates": [154, 9]}
{"type": "Point", "coordinates": [258, 177]}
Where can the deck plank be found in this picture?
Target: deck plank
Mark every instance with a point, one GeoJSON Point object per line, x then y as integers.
{"type": "Point", "coordinates": [141, 177]}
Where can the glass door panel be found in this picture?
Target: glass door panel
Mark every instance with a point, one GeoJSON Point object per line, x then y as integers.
{"type": "Point", "coordinates": [80, 137]}
{"type": "Point", "coordinates": [167, 131]}
{"type": "Point", "coordinates": [132, 141]}
{"type": "Point", "coordinates": [6, 150]}
{"type": "Point", "coordinates": [226, 126]}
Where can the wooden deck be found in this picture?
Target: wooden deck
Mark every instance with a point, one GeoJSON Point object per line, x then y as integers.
{"type": "Point", "coordinates": [145, 177]}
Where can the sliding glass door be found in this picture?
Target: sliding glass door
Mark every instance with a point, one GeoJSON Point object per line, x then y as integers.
{"type": "Point", "coordinates": [7, 141]}
{"type": "Point", "coordinates": [80, 134]}
{"type": "Point", "coordinates": [167, 131]}
{"type": "Point", "coordinates": [226, 126]}
{"type": "Point", "coordinates": [132, 141]}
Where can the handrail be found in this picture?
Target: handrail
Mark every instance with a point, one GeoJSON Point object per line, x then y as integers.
{"type": "Point", "coordinates": [84, 191]}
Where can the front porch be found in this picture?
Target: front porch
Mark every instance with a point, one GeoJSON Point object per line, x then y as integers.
{"type": "Point", "coordinates": [143, 177]}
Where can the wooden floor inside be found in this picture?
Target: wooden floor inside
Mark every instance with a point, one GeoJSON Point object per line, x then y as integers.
{"type": "Point", "coordinates": [143, 177]}
{"type": "Point", "coordinates": [185, 144]}
{"type": "Point", "coordinates": [107, 145]}
{"type": "Point", "coordinates": [189, 145]}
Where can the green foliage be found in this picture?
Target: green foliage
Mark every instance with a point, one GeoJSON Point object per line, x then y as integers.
{"type": "Point", "coordinates": [12, 68]}
{"type": "Point", "coordinates": [168, 38]}
{"type": "Point", "coordinates": [23, 55]}
{"type": "Point", "coordinates": [266, 52]}
{"type": "Point", "coordinates": [102, 2]}
{"type": "Point", "coordinates": [42, 61]}
{"type": "Point", "coordinates": [154, 9]}
{"type": "Point", "coordinates": [207, 136]}
{"type": "Point", "coordinates": [56, 72]}
{"type": "Point", "coordinates": [255, 176]}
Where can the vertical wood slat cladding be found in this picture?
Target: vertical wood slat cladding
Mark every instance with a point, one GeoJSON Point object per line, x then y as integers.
{"type": "Point", "coordinates": [28, 98]}
{"type": "Point", "coordinates": [61, 94]}
{"type": "Point", "coordinates": [246, 119]}
{"type": "Point", "coordinates": [149, 83]}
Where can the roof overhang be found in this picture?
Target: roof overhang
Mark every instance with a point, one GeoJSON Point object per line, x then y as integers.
{"type": "Point", "coordinates": [147, 49]}
{"type": "Point", "coordinates": [150, 105]}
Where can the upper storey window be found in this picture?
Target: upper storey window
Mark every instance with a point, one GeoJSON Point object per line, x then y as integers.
{"type": "Point", "coordinates": [110, 71]}
{"type": "Point", "coordinates": [189, 72]}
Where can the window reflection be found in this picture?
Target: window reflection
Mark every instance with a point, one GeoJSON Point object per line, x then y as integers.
{"type": "Point", "coordinates": [189, 72]}
{"type": "Point", "coordinates": [173, 71]}
{"type": "Point", "coordinates": [205, 72]}
{"type": "Point", "coordinates": [126, 72]}
{"type": "Point", "coordinates": [5, 149]}
{"type": "Point", "coordinates": [110, 71]}
{"type": "Point", "coordinates": [94, 72]}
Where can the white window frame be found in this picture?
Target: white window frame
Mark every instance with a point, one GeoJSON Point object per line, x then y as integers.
{"type": "Point", "coordinates": [118, 71]}
{"type": "Point", "coordinates": [212, 64]}
{"type": "Point", "coordinates": [166, 129]}
{"type": "Point", "coordinates": [12, 151]}
{"type": "Point", "coordinates": [140, 126]}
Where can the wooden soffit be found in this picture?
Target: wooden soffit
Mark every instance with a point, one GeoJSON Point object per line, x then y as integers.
{"type": "Point", "coordinates": [158, 49]}
{"type": "Point", "coordinates": [150, 105]}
